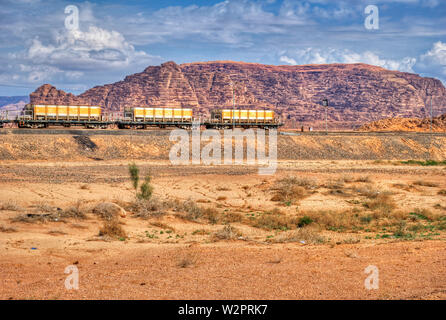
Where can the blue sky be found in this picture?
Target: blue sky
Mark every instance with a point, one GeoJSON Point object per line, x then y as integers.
{"type": "Point", "coordinates": [115, 38]}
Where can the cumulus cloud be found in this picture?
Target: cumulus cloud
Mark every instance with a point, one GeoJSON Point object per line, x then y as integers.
{"type": "Point", "coordinates": [436, 57]}
{"type": "Point", "coordinates": [287, 60]}
{"type": "Point", "coordinates": [93, 49]}
{"type": "Point", "coordinates": [318, 56]}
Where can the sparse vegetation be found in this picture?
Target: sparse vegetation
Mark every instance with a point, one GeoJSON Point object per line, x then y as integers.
{"type": "Point", "coordinates": [303, 235]}
{"type": "Point", "coordinates": [289, 190]}
{"type": "Point", "coordinates": [425, 162]}
{"type": "Point", "coordinates": [227, 233]}
{"type": "Point", "coordinates": [111, 228]}
{"type": "Point", "coordinates": [425, 183]}
{"type": "Point", "coordinates": [7, 229]}
{"type": "Point", "coordinates": [10, 205]}
{"type": "Point", "coordinates": [145, 189]}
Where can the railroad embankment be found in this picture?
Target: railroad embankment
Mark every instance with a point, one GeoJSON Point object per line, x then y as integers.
{"type": "Point", "coordinates": [75, 145]}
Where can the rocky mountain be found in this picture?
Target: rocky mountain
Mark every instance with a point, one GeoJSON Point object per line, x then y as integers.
{"type": "Point", "coordinates": [407, 124]}
{"type": "Point", "coordinates": [357, 93]}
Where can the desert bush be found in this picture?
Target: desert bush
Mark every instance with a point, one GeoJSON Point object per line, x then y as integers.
{"type": "Point", "coordinates": [111, 228]}
{"type": "Point", "coordinates": [76, 211]}
{"type": "Point", "coordinates": [108, 210]}
{"type": "Point", "coordinates": [227, 233]}
{"type": "Point", "coordinates": [291, 189]}
{"type": "Point", "coordinates": [145, 189]}
{"type": "Point", "coordinates": [145, 209]}
{"type": "Point", "coordinates": [442, 192]}
{"type": "Point", "coordinates": [191, 209]}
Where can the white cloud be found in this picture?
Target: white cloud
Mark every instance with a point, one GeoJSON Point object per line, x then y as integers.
{"type": "Point", "coordinates": [318, 56]}
{"type": "Point", "coordinates": [287, 60]}
{"type": "Point", "coordinates": [93, 49]}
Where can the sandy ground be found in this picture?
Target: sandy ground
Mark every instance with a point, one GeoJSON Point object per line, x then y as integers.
{"type": "Point", "coordinates": [149, 264]}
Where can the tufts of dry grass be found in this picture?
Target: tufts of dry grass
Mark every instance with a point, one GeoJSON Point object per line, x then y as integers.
{"type": "Point", "coordinates": [36, 218]}
{"type": "Point", "coordinates": [275, 221]}
{"type": "Point", "coordinates": [365, 179]}
{"type": "Point", "coordinates": [227, 233]}
{"type": "Point", "coordinates": [382, 204]}
{"type": "Point", "coordinates": [426, 183]}
{"type": "Point", "coordinates": [10, 205]}
{"type": "Point", "coordinates": [303, 235]}
{"type": "Point", "coordinates": [7, 229]}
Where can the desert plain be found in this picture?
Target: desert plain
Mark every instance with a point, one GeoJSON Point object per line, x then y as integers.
{"type": "Point", "coordinates": [222, 232]}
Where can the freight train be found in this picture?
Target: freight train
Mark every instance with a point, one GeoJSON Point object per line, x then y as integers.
{"type": "Point", "coordinates": [43, 116]}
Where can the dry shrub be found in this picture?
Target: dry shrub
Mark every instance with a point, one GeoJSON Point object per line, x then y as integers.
{"type": "Point", "coordinates": [222, 198]}
{"type": "Point", "coordinates": [10, 205]}
{"type": "Point", "coordinates": [291, 189]}
{"type": "Point", "coordinates": [335, 184]}
{"type": "Point", "coordinates": [227, 233]}
{"type": "Point", "coordinates": [365, 179]}
{"type": "Point", "coordinates": [368, 191]}
{"type": "Point", "coordinates": [442, 192]}
{"type": "Point", "coordinates": [425, 183]}
{"type": "Point", "coordinates": [301, 234]}
{"type": "Point", "coordinates": [108, 210]}
{"type": "Point", "coordinates": [382, 204]}
{"type": "Point", "coordinates": [77, 211]}
{"type": "Point", "coordinates": [7, 229]}
{"type": "Point", "coordinates": [84, 187]}
{"type": "Point", "coordinates": [145, 209]}
{"type": "Point", "coordinates": [111, 228]}
{"type": "Point", "coordinates": [191, 209]}
{"type": "Point", "coordinates": [186, 257]}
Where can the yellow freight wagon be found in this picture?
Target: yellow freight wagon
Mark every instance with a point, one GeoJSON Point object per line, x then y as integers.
{"type": "Point", "coordinates": [228, 115]}
{"type": "Point", "coordinates": [161, 114]}
{"type": "Point", "coordinates": [56, 112]}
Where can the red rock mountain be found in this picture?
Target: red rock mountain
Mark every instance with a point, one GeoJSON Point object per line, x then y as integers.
{"type": "Point", "coordinates": [357, 93]}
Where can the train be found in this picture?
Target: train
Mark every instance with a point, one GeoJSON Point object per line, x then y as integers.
{"type": "Point", "coordinates": [92, 116]}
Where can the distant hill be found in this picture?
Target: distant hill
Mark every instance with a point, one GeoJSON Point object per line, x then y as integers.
{"type": "Point", "coordinates": [13, 100]}
{"type": "Point", "coordinates": [407, 124]}
{"type": "Point", "coordinates": [357, 93]}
